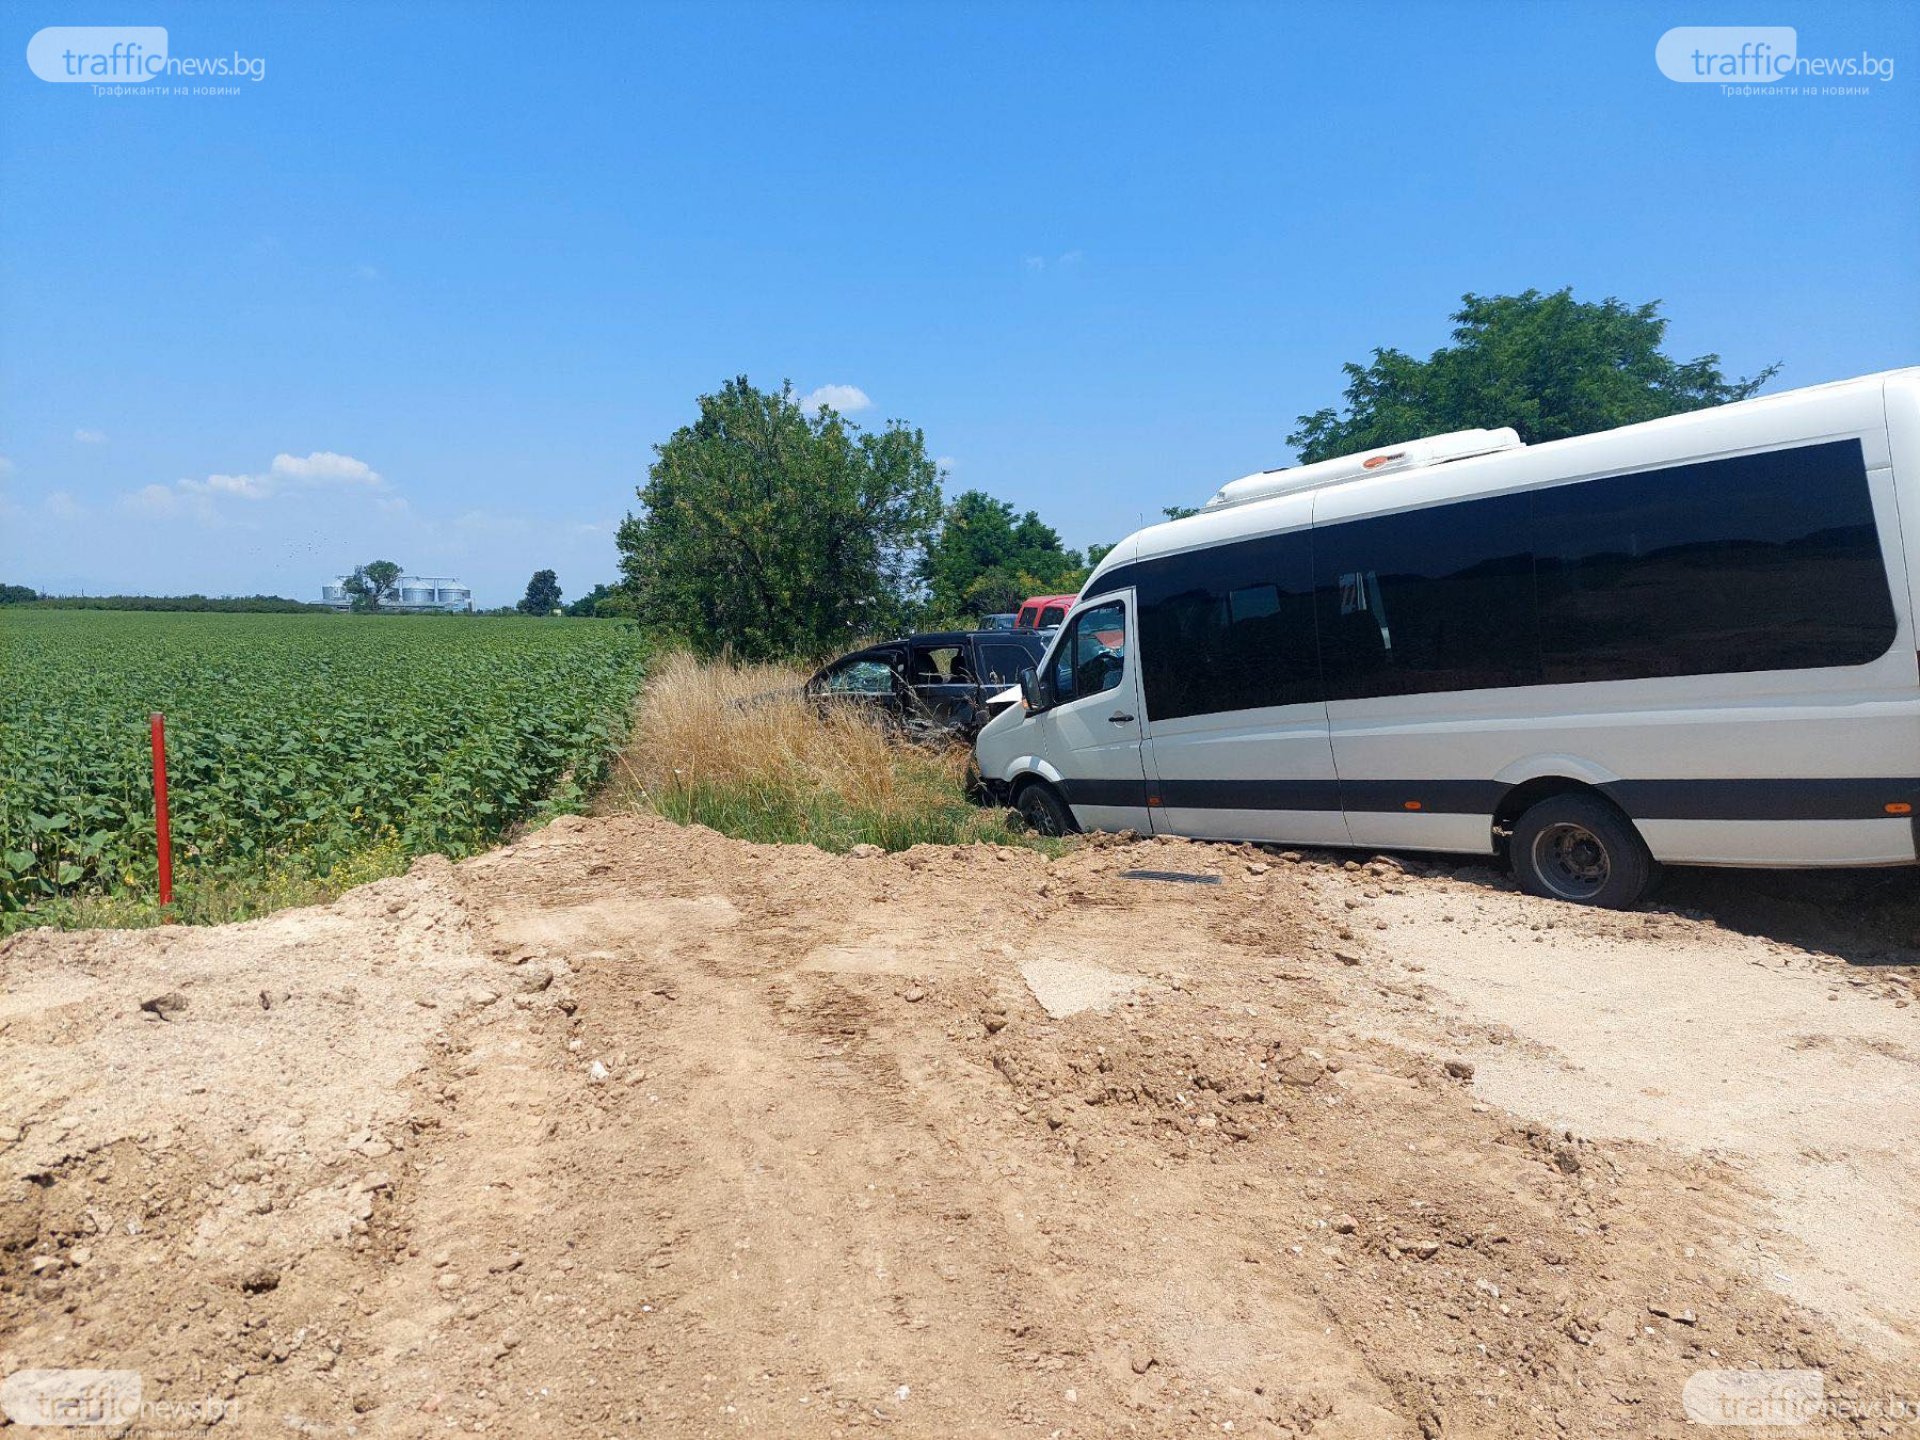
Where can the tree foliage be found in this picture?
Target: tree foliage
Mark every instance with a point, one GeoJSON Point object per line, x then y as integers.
{"type": "Point", "coordinates": [18, 594]}
{"type": "Point", "coordinates": [773, 531]}
{"type": "Point", "coordinates": [543, 594]}
{"type": "Point", "coordinates": [604, 601]}
{"type": "Point", "coordinates": [985, 559]}
{"type": "Point", "coordinates": [1548, 365]}
{"type": "Point", "coordinates": [373, 585]}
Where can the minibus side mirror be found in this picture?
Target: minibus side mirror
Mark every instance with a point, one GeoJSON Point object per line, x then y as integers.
{"type": "Point", "coordinates": [1030, 689]}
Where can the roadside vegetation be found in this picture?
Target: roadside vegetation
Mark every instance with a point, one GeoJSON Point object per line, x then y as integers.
{"type": "Point", "coordinates": [739, 748]}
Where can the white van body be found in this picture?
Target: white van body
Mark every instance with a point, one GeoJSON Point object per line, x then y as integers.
{"type": "Point", "coordinates": [1705, 619]}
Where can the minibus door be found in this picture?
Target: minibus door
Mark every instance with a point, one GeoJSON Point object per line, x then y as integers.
{"type": "Point", "coordinates": [1092, 727]}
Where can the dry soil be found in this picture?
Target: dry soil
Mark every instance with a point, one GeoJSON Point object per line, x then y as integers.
{"type": "Point", "coordinates": [630, 1129]}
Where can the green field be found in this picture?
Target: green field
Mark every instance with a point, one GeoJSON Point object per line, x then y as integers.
{"type": "Point", "coordinates": [300, 748]}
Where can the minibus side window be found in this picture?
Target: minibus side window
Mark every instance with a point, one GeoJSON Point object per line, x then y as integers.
{"type": "Point", "coordinates": [1429, 600]}
{"type": "Point", "coordinates": [1228, 628]}
{"type": "Point", "coordinates": [1754, 562]}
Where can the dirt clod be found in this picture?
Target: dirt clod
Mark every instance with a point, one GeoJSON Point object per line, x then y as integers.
{"type": "Point", "coordinates": [165, 1006]}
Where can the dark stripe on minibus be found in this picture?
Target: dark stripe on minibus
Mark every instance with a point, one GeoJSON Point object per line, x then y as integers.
{"type": "Point", "coordinates": [1790, 799]}
{"type": "Point", "coordinates": [1251, 794]}
{"type": "Point", "coordinates": [1760, 799]}
{"type": "Point", "coordinates": [1105, 792]}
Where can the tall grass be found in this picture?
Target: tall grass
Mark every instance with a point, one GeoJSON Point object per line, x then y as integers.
{"type": "Point", "coordinates": [741, 749]}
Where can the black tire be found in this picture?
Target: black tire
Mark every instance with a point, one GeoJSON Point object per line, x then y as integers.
{"type": "Point", "coordinates": [1578, 848]}
{"type": "Point", "coordinates": [976, 785]}
{"type": "Point", "coordinates": [1044, 811]}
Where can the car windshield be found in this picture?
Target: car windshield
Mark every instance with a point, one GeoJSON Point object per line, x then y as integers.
{"type": "Point", "coordinates": [865, 675]}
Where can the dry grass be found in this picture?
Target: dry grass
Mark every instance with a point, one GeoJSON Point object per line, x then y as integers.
{"type": "Point", "coordinates": [739, 748]}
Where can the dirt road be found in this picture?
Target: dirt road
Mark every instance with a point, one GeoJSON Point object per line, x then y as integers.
{"type": "Point", "coordinates": [630, 1129]}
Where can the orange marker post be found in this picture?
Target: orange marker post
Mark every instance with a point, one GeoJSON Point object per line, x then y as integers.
{"type": "Point", "coordinates": [163, 836]}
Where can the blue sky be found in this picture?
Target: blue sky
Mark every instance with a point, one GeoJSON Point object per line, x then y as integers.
{"type": "Point", "coordinates": [435, 286]}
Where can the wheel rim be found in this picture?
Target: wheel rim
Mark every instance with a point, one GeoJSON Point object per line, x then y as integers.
{"type": "Point", "coordinates": [1571, 861]}
{"type": "Point", "coordinates": [1040, 815]}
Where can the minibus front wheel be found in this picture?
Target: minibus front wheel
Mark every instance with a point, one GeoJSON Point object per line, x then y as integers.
{"type": "Point", "coordinates": [1044, 811]}
{"type": "Point", "coordinates": [1580, 849]}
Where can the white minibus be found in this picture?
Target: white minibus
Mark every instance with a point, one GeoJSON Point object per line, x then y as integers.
{"type": "Point", "coordinates": [1686, 641]}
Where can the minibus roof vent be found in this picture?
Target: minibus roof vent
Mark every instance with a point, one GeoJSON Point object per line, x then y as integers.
{"type": "Point", "coordinates": [1414, 455]}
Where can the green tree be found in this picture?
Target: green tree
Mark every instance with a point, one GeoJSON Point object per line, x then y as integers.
{"type": "Point", "coordinates": [1548, 365]}
{"type": "Point", "coordinates": [373, 585]}
{"type": "Point", "coordinates": [543, 594]}
{"type": "Point", "coordinates": [604, 601]}
{"type": "Point", "coordinates": [777, 532]}
{"type": "Point", "coordinates": [985, 559]}
{"type": "Point", "coordinates": [18, 594]}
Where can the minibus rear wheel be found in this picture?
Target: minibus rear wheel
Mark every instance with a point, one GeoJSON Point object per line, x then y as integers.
{"type": "Point", "coordinates": [1580, 849]}
{"type": "Point", "coordinates": [1044, 811]}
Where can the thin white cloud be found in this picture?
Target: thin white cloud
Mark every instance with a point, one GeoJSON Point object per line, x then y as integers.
{"type": "Point", "coordinates": [6, 466]}
{"type": "Point", "coordinates": [325, 467]}
{"type": "Point", "coordinates": [90, 437]}
{"type": "Point", "coordinates": [367, 272]}
{"type": "Point", "coordinates": [846, 399]}
{"type": "Point", "coordinates": [247, 487]}
{"type": "Point", "coordinates": [320, 470]}
{"type": "Point", "coordinates": [152, 500]}
{"type": "Point", "coordinates": [945, 463]}
{"type": "Point", "coordinates": [1035, 262]}
{"type": "Point", "coordinates": [62, 506]}
{"type": "Point", "coordinates": [1066, 260]}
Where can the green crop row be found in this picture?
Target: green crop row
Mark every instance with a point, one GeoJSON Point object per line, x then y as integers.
{"type": "Point", "coordinates": [295, 742]}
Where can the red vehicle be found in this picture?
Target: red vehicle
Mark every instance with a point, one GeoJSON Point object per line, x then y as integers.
{"type": "Point", "coordinates": [1043, 612]}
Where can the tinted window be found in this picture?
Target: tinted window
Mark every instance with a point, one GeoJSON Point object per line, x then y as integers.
{"type": "Point", "coordinates": [1428, 600]}
{"type": "Point", "coordinates": [1760, 562]}
{"type": "Point", "coordinates": [1092, 655]}
{"type": "Point", "coordinates": [1003, 663]}
{"type": "Point", "coordinates": [1228, 628]}
{"type": "Point", "coordinates": [1052, 616]}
